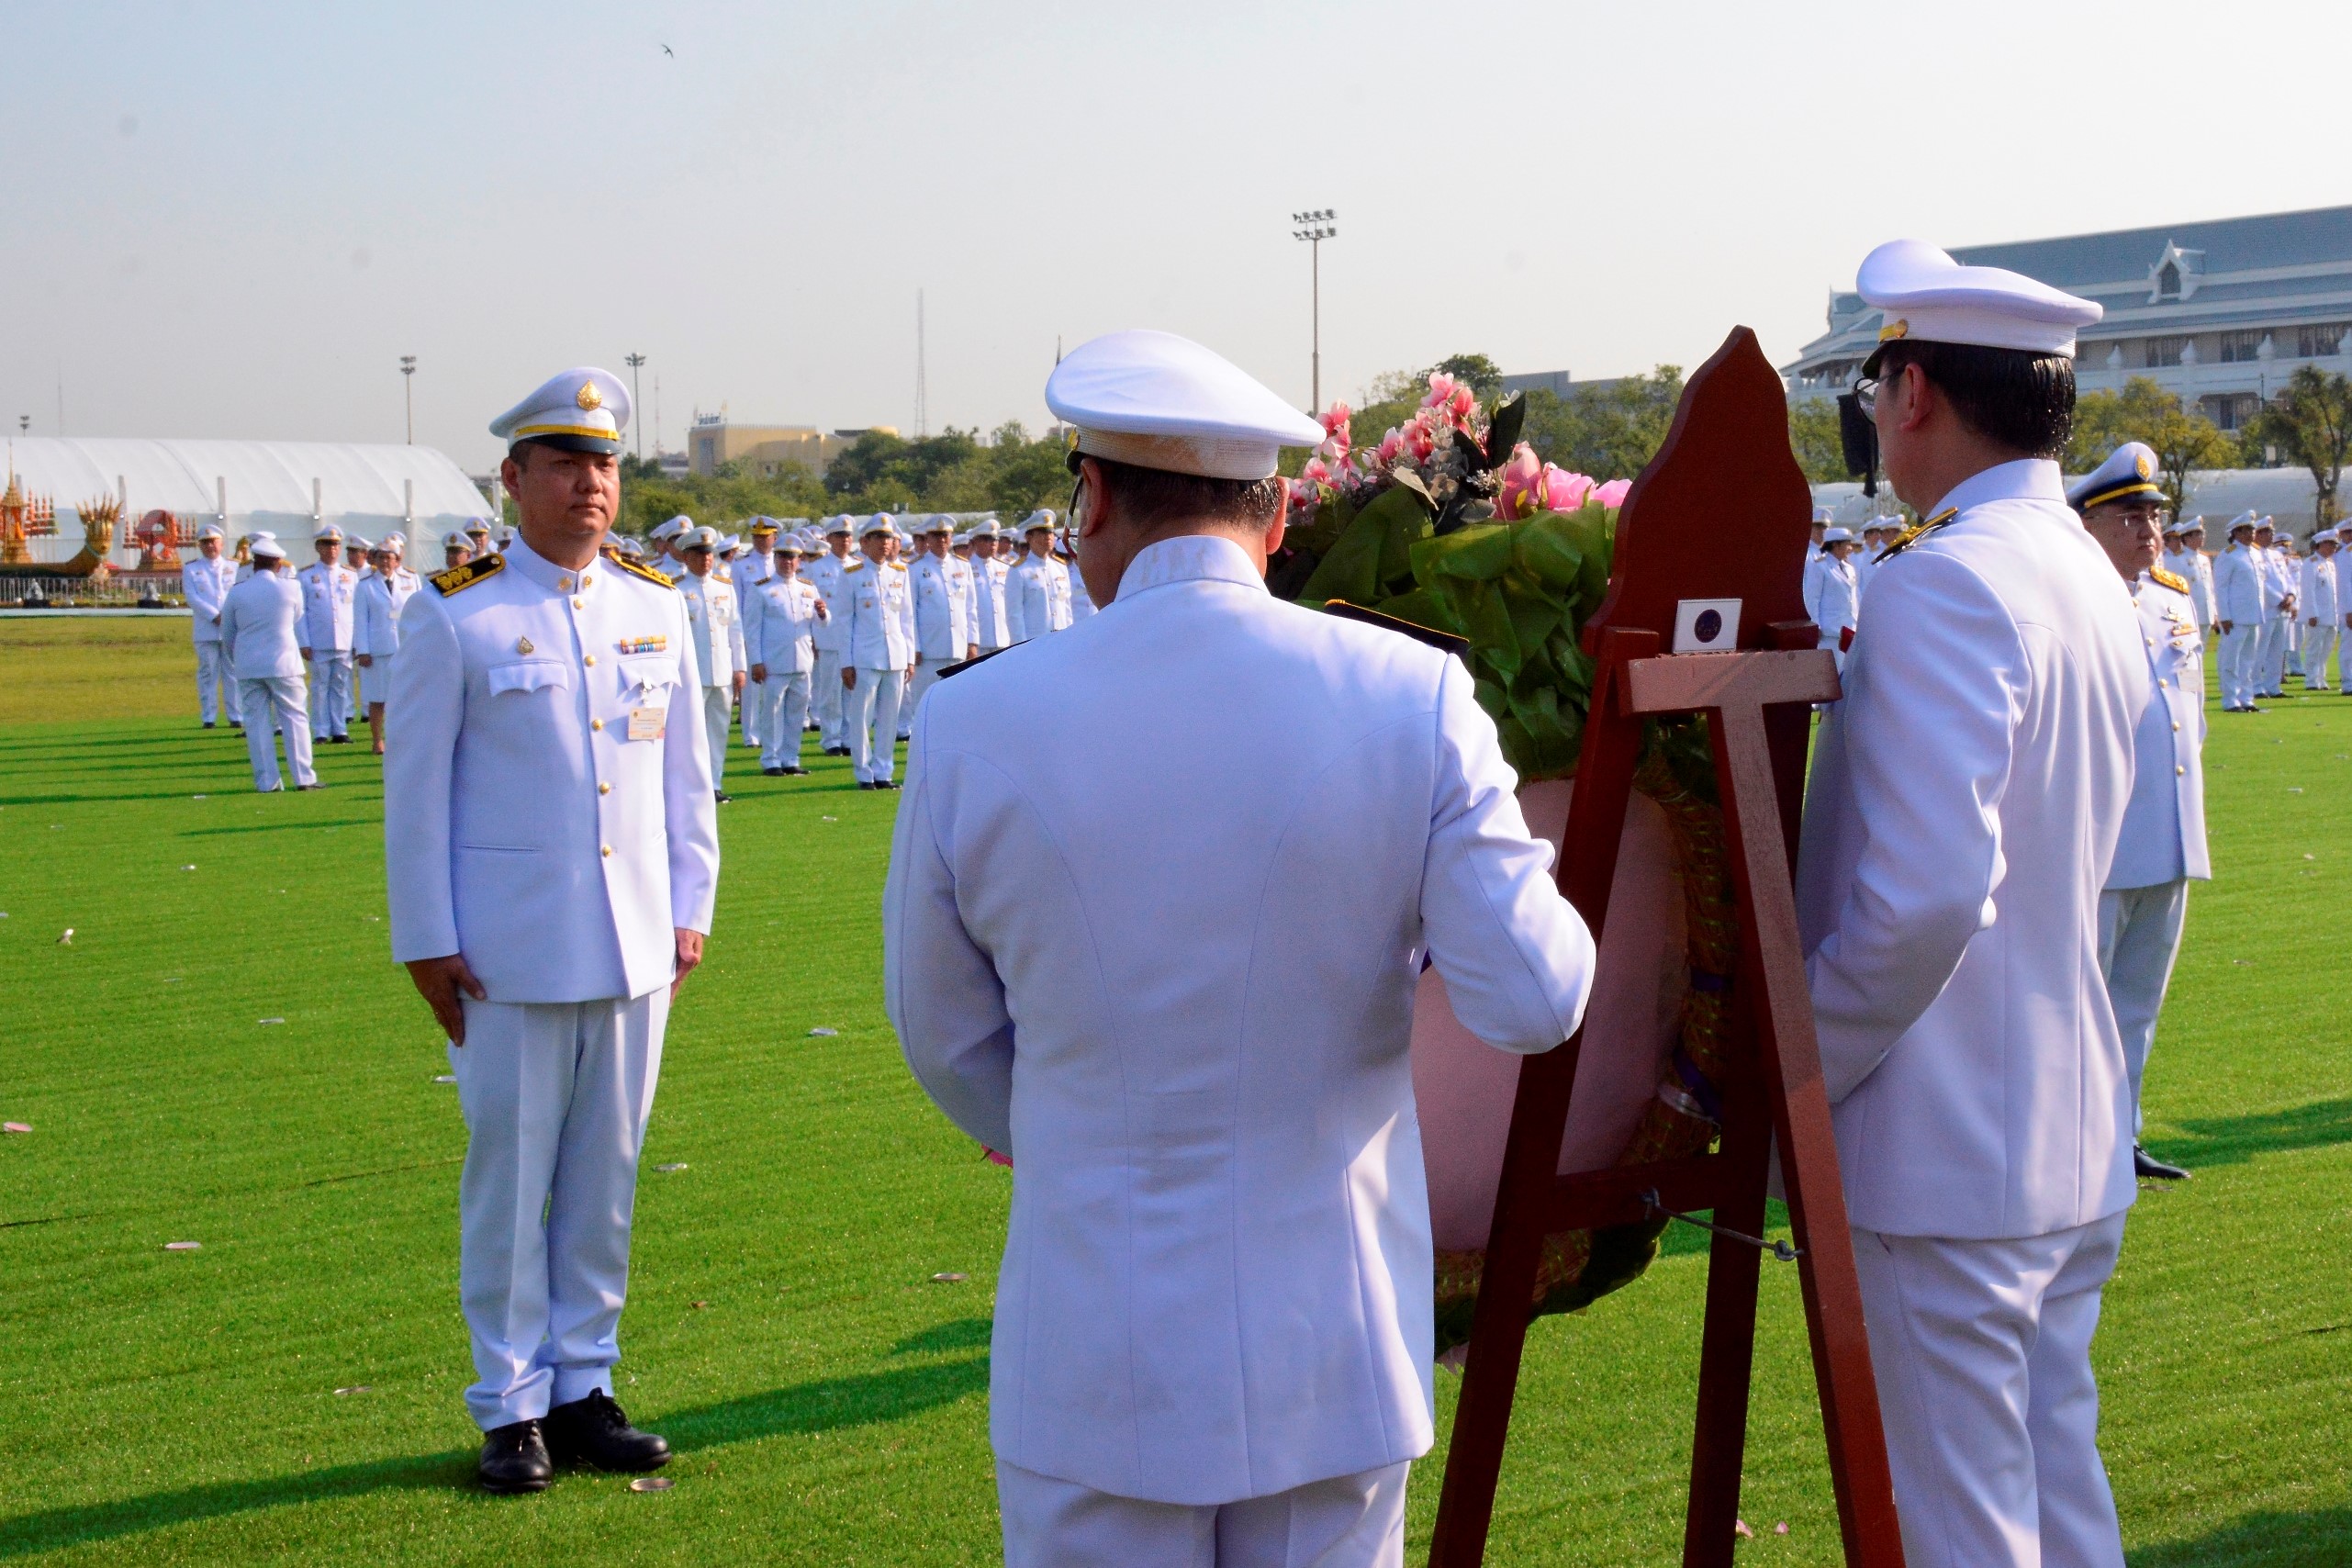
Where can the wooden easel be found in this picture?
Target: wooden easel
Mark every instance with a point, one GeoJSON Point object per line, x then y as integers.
{"type": "Point", "coordinates": [1723, 512]}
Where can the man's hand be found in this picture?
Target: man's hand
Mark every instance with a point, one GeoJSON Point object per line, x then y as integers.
{"type": "Point", "coordinates": [849, 677]}
{"type": "Point", "coordinates": [2225, 625]}
{"type": "Point", "coordinates": [306, 655]}
{"type": "Point", "coordinates": [364, 660]}
{"type": "Point", "coordinates": [972, 650]}
{"type": "Point", "coordinates": [739, 683]}
{"type": "Point", "coordinates": [759, 674]}
{"type": "Point", "coordinates": [690, 953]}
{"type": "Point", "coordinates": [823, 613]}
{"type": "Point", "coordinates": [439, 980]}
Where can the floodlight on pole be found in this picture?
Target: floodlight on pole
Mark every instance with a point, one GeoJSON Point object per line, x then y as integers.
{"type": "Point", "coordinates": [408, 392]}
{"type": "Point", "coordinates": [1315, 228]}
{"type": "Point", "coordinates": [635, 362]}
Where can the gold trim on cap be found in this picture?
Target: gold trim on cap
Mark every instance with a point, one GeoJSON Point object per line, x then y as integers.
{"type": "Point", "coordinates": [522, 430]}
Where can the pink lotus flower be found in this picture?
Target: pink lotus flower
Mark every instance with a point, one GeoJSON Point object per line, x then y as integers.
{"type": "Point", "coordinates": [1334, 420]}
{"type": "Point", "coordinates": [1521, 479]}
{"type": "Point", "coordinates": [1316, 472]}
{"type": "Point", "coordinates": [1419, 439]}
{"type": "Point", "coordinates": [1564, 491]}
{"type": "Point", "coordinates": [1460, 405]}
{"type": "Point", "coordinates": [1334, 449]}
{"type": "Point", "coordinates": [1305, 495]}
{"type": "Point", "coordinates": [1390, 445]}
{"type": "Point", "coordinates": [1440, 390]}
{"type": "Point", "coordinates": [1613, 493]}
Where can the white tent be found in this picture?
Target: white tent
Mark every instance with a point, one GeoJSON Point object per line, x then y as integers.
{"type": "Point", "coordinates": [287, 486]}
{"type": "Point", "coordinates": [2217, 493]}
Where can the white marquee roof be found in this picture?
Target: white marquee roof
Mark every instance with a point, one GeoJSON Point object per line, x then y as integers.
{"type": "Point", "coordinates": [287, 486]}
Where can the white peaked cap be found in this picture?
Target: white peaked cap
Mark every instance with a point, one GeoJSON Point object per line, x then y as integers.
{"type": "Point", "coordinates": [704, 538]}
{"type": "Point", "coordinates": [212, 531]}
{"type": "Point", "coordinates": [583, 410]}
{"type": "Point", "coordinates": [2324, 536]}
{"type": "Point", "coordinates": [1928, 295]}
{"type": "Point", "coordinates": [1160, 401]}
{"type": "Point", "coordinates": [1042, 518]}
{"type": "Point", "coordinates": [880, 522]}
{"type": "Point", "coordinates": [326, 530]}
{"type": "Point", "coordinates": [2243, 520]}
{"type": "Point", "coordinates": [264, 544]}
{"type": "Point", "coordinates": [395, 540]}
{"type": "Point", "coordinates": [2130, 471]}
{"type": "Point", "coordinates": [677, 524]}
{"type": "Point", "coordinates": [1821, 516]}
{"type": "Point", "coordinates": [1838, 536]}
{"type": "Point", "coordinates": [838, 523]}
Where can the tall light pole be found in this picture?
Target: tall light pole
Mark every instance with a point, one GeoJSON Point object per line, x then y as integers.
{"type": "Point", "coordinates": [408, 392]}
{"type": "Point", "coordinates": [636, 362]}
{"type": "Point", "coordinates": [1315, 228]}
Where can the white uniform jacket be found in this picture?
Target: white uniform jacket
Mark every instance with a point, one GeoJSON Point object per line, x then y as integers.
{"type": "Point", "coordinates": [375, 625]}
{"type": "Point", "coordinates": [1816, 557]}
{"type": "Point", "coordinates": [327, 596]}
{"type": "Point", "coordinates": [2239, 585]}
{"type": "Point", "coordinates": [1082, 603]}
{"type": "Point", "coordinates": [878, 630]}
{"type": "Point", "coordinates": [1837, 599]}
{"type": "Point", "coordinates": [781, 624]}
{"type": "Point", "coordinates": [2285, 580]}
{"type": "Point", "coordinates": [2164, 827]}
{"type": "Point", "coordinates": [1036, 598]}
{"type": "Point", "coordinates": [207, 585]}
{"type": "Point", "coordinates": [995, 631]}
{"type": "Point", "coordinates": [523, 825]}
{"type": "Point", "coordinates": [261, 627]}
{"type": "Point", "coordinates": [1962, 816]}
{"type": "Point", "coordinates": [944, 623]}
{"type": "Point", "coordinates": [824, 575]}
{"type": "Point", "coordinates": [2317, 594]}
{"type": "Point", "coordinates": [1158, 900]}
{"type": "Point", "coordinates": [717, 623]}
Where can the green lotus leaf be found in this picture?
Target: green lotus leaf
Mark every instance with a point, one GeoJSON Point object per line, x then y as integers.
{"type": "Point", "coordinates": [1479, 553]}
{"type": "Point", "coordinates": [1534, 612]}
{"type": "Point", "coordinates": [1350, 570]}
{"type": "Point", "coordinates": [1405, 520]}
{"type": "Point", "coordinates": [1543, 549]}
{"type": "Point", "coordinates": [1494, 642]}
{"type": "Point", "coordinates": [1493, 697]}
{"type": "Point", "coordinates": [1424, 608]}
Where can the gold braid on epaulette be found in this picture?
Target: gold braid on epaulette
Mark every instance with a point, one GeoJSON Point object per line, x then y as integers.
{"type": "Point", "coordinates": [467, 575]}
{"type": "Point", "coordinates": [649, 573]}
{"type": "Point", "coordinates": [2176, 583]}
{"type": "Point", "coordinates": [1914, 533]}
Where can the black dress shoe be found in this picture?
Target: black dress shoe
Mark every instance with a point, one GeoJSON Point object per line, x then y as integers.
{"type": "Point", "coordinates": [595, 1431]}
{"type": "Point", "coordinates": [208, 723]}
{"type": "Point", "coordinates": [514, 1459]}
{"type": "Point", "coordinates": [793, 772]}
{"type": "Point", "coordinates": [338, 740]}
{"type": "Point", "coordinates": [2148, 1168]}
{"type": "Point", "coordinates": [773, 772]}
{"type": "Point", "coordinates": [721, 796]}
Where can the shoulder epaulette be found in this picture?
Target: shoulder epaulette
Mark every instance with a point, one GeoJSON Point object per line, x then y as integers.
{"type": "Point", "coordinates": [2176, 583]}
{"type": "Point", "coordinates": [855, 566]}
{"type": "Point", "coordinates": [647, 573]}
{"type": "Point", "coordinates": [960, 666]}
{"type": "Point", "coordinates": [467, 575]}
{"type": "Point", "coordinates": [1445, 641]}
{"type": "Point", "coordinates": [1914, 533]}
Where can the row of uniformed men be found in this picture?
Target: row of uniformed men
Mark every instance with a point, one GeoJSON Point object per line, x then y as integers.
{"type": "Point", "coordinates": [767, 632]}
{"type": "Point", "coordinates": [2275, 613]}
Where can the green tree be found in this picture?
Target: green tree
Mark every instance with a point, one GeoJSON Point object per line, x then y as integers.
{"type": "Point", "coordinates": [2310, 421]}
{"type": "Point", "coordinates": [1813, 437]}
{"type": "Point", "coordinates": [1609, 430]}
{"type": "Point", "coordinates": [2183, 440]}
{"type": "Point", "coordinates": [1485, 377]}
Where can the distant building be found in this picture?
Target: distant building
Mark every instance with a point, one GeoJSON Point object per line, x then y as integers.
{"type": "Point", "coordinates": [2219, 313]}
{"type": "Point", "coordinates": [1559, 383]}
{"type": "Point", "coordinates": [763, 450]}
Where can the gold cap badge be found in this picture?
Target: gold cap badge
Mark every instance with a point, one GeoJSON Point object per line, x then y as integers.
{"type": "Point", "coordinates": [1898, 329]}
{"type": "Point", "coordinates": [2140, 460]}
{"type": "Point", "coordinates": [588, 396]}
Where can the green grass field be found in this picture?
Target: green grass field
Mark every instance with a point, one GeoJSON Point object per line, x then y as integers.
{"type": "Point", "coordinates": [226, 1054]}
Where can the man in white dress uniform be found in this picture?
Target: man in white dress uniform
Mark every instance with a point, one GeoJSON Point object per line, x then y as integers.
{"type": "Point", "coordinates": [2162, 849]}
{"type": "Point", "coordinates": [946, 623]}
{"type": "Point", "coordinates": [992, 626]}
{"type": "Point", "coordinates": [1837, 593]}
{"type": "Point", "coordinates": [327, 588]}
{"type": "Point", "coordinates": [2318, 604]}
{"type": "Point", "coordinates": [2281, 579]}
{"type": "Point", "coordinates": [780, 619]}
{"type": "Point", "coordinates": [1036, 591]}
{"type": "Point", "coordinates": [375, 631]}
{"type": "Point", "coordinates": [205, 582]}
{"type": "Point", "coordinates": [553, 854]}
{"type": "Point", "coordinates": [1966, 798]}
{"type": "Point", "coordinates": [2239, 585]}
{"type": "Point", "coordinates": [824, 575]}
{"type": "Point", "coordinates": [261, 638]}
{"type": "Point", "coordinates": [1158, 900]}
{"type": "Point", "coordinates": [878, 653]}
{"type": "Point", "coordinates": [716, 625]}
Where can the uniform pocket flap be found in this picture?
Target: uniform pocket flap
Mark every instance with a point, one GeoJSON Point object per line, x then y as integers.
{"type": "Point", "coordinates": [529, 675]}
{"type": "Point", "coordinates": [649, 671]}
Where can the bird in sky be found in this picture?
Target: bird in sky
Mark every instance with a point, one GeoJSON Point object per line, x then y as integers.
{"type": "Point", "coordinates": [671, 52]}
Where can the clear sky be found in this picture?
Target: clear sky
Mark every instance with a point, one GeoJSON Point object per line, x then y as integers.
{"type": "Point", "coordinates": [231, 219]}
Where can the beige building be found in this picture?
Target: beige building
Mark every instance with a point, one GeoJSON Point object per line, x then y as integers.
{"type": "Point", "coordinates": [762, 450]}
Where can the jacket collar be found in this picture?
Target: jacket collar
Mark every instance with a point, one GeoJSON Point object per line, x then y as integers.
{"type": "Point", "coordinates": [1190, 557]}
{"type": "Point", "coordinates": [2027, 479]}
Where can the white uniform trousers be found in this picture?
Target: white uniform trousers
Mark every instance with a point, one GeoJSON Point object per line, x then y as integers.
{"type": "Point", "coordinates": [787, 713]}
{"type": "Point", "coordinates": [216, 687]}
{"type": "Point", "coordinates": [2240, 644]}
{"type": "Point", "coordinates": [830, 699]}
{"type": "Point", "coordinates": [2139, 936]}
{"type": "Point", "coordinates": [1348, 1521]}
{"type": "Point", "coordinates": [278, 696]}
{"type": "Point", "coordinates": [555, 1096]}
{"type": "Point", "coordinates": [718, 715]}
{"type": "Point", "coordinates": [2319, 642]}
{"type": "Point", "coordinates": [872, 715]}
{"type": "Point", "coordinates": [331, 692]}
{"type": "Point", "coordinates": [759, 712]}
{"type": "Point", "coordinates": [375, 681]}
{"type": "Point", "coordinates": [2270, 656]}
{"type": "Point", "coordinates": [1982, 1352]}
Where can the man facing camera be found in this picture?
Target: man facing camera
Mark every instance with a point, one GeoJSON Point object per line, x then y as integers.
{"type": "Point", "coordinates": [1159, 899]}
{"type": "Point", "coordinates": [553, 853]}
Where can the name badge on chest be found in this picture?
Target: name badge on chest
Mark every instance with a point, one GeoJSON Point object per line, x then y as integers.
{"type": "Point", "coordinates": [647, 723]}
